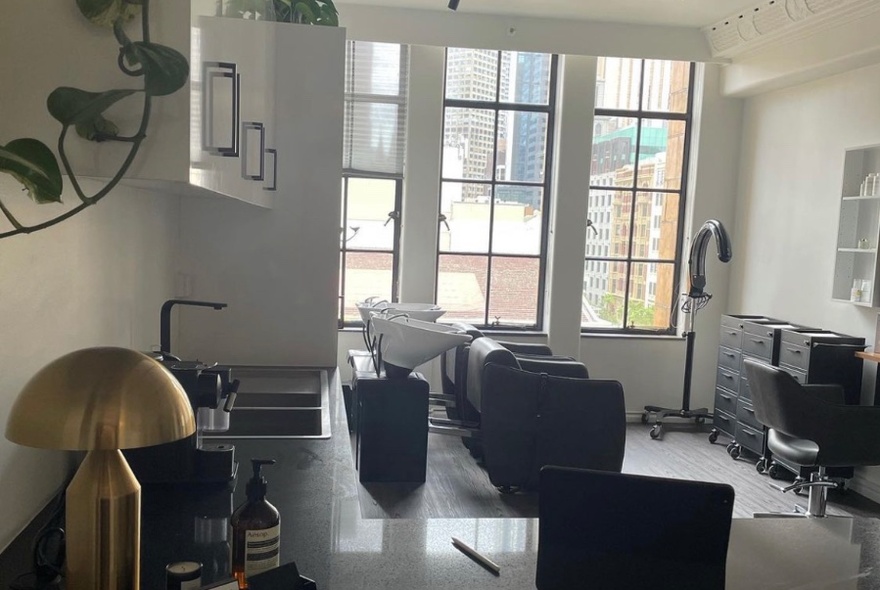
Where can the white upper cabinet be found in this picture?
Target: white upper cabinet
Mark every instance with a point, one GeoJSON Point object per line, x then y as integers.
{"type": "Point", "coordinates": [233, 93]}
{"type": "Point", "coordinates": [855, 266]}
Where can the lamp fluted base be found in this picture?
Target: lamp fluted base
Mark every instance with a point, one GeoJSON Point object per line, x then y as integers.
{"type": "Point", "coordinates": [103, 524]}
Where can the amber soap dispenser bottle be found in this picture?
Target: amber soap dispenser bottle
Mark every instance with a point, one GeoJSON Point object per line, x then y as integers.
{"type": "Point", "coordinates": [256, 530]}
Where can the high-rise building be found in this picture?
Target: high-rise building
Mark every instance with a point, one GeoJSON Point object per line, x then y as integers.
{"type": "Point", "coordinates": [526, 151]}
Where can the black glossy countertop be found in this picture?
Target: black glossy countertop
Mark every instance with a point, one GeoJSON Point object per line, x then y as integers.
{"type": "Point", "coordinates": [314, 485]}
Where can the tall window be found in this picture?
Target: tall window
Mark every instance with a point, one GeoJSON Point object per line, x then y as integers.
{"type": "Point", "coordinates": [636, 199]}
{"type": "Point", "coordinates": [495, 186]}
{"type": "Point", "coordinates": [376, 77]}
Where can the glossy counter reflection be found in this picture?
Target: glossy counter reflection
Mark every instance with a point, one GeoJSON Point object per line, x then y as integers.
{"type": "Point", "coordinates": [314, 485]}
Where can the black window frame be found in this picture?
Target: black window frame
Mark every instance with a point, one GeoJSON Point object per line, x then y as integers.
{"type": "Point", "coordinates": [640, 115]}
{"type": "Point", "coordinates": [546, 203]}
{"type": "Point", "coordinates": [393, 217]}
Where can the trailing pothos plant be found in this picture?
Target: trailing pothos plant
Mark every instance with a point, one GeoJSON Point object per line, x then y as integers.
{"type": "Point", "coordinates": [306, 12]}
{"type": "Point", "coordinates": [163, 70]}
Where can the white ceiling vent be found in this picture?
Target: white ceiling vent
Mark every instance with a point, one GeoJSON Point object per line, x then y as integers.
{"type": "Point", "coordinates": [772, 20]}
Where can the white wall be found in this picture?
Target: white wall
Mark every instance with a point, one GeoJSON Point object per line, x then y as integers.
{"type": "Point", "coordinates": [96, 279]}
{"type": "Point", "coordinates": [790, 179]}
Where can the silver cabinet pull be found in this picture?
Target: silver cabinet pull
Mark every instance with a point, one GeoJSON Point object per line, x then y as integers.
{"type": "Point", "coordinates": [220, 142]}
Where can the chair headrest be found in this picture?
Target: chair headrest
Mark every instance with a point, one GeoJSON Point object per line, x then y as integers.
{"type": "Point", "coordinates": [482, 352]}
{"type": "Point", "coordinates": [468, 328]}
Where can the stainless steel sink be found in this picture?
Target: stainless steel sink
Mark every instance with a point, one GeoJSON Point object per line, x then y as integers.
{"type": "Point", "coordinates": [279, 402]}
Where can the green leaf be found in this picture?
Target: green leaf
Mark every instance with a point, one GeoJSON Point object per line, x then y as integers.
{"type": "Point", "coordinates": [97, 129]}
{"type": "Point", "coordinates": [329, 16]}
{"type": "Point", "coordinates": [165, 69]}
{"type": "Point", "coordinates": [34, 165]}
{"type": "Point", "coordinates": [106, 13]}
{"type": "Point", "coordinates": [72, 106]}
{"type": "Point", "coordinates": [94, 8]}
{"type": "Point", "coordinates": [306, 13]}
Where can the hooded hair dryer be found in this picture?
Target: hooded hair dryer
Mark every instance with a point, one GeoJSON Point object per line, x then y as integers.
{"type": "Point", "coordinates": [694, 300]}
{"type": "Point", "coordinates": [697, 258]}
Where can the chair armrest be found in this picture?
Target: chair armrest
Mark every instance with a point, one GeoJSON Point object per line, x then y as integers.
{"type": "Point", "coordinates": [527, 348]}
{"type": "Point", "coordinates": [831, 393]}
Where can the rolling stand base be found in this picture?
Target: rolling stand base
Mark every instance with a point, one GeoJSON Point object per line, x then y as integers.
{"type": "Point", "coordinates": [699, 416]}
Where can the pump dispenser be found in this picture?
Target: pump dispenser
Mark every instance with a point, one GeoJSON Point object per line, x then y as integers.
{"type": "Point", "coordinates": [256, 530]}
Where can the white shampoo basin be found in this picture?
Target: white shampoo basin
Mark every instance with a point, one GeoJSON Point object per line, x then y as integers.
{"type": "Point", "coordinates": [406, 343]}
{"type": "Point", "coordinates": [427, 312]}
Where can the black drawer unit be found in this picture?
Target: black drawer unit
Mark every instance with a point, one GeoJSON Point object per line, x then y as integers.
{"type": "Point", "coordinates": [727, 376]}
{"type": "Point", "coordinates": [824, 357]}
{"type": "Point", "coordinates": [810, 355]}
{"type": "Point", "coordinates": [759, 338]}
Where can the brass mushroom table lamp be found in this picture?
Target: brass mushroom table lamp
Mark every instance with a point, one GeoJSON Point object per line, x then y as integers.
{"type": "Point", "coordinates": [101, 400]}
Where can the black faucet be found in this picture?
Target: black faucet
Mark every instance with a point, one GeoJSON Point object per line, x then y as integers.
{"type": "Point", "coordinates": [165, 319]}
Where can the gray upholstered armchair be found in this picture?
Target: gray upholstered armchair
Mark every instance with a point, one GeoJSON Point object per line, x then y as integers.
{"type": "Point", "coordinates": [811, 426]}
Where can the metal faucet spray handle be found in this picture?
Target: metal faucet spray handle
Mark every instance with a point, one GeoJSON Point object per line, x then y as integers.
{"type": "Point", "coordinates": [165, 319]}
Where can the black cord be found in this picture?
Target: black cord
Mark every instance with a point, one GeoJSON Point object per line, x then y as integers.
{"type": "Point", "coordinates": [48, 552]}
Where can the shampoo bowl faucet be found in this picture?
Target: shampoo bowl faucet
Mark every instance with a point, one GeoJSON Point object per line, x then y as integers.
{"type": "Point", "coordinates": [165, 319]}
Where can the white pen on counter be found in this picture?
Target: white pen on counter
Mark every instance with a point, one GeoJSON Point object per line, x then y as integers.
{"type": "Point", "coordinates": [476, 556]}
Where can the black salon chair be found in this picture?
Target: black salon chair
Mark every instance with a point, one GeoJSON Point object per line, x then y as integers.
{"type": "Point", "coordinates": [454, 366]}
{"type": "Point", "coordinates": [811, 426]}
{"type": "Point", "coordinates": [542, 412]}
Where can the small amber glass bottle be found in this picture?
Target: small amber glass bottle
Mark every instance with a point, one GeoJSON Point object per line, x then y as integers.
{"type": "Point", "coordinates": [256, 530]}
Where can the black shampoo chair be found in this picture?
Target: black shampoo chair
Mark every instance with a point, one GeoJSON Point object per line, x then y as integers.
{"type": "Point", "coordinates": [535, 413]}
{"type": "Point", "coordinates": [454, 367]}
{"type": "Point", "coordinates": [811, 426]}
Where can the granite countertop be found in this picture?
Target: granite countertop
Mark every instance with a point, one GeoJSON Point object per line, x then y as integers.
{"type": "Point", "coordinates": [314, 486]}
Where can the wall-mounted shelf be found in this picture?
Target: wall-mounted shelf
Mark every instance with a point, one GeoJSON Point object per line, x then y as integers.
{"type": "Point", "coordinates": [858, 231]}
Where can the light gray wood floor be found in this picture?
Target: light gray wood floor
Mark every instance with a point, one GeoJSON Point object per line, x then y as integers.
{"type": "Point", "coordinates": [458, 487]}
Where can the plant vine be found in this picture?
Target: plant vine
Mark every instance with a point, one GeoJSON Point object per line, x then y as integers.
{"type": "Point", "coordinates": [164, 71]}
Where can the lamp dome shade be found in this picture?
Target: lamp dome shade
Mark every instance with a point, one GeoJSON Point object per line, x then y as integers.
{"type": "Point", "coordinates": [100, 398]}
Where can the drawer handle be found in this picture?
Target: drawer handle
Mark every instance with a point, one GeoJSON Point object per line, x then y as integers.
{"type": "Point", "coordinates": [749, 410]}
{"type": "Point", "coordinates": [733, 333]}
{"type": "Point", "coordinates": [728, 376]}
{"type": "Point", "coordinates": [793, 350]}
{"type": "Point", "coordinates": [721, 418]}
{"type": "Point", "coordinates": [756, 341]}
{"type": "Point", "coordinates": [747, 433]}
{"type": "Point", "coordinates": [729, 354]}
{"type": "Point", "coordinates": [727, 397]}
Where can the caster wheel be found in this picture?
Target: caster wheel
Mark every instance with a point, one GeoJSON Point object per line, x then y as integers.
{"type": "Point", "coordinates": [734, 452]}
{"type": "Point", "coordinates": [713, 436]}
{"type": "Point", "coordinates": [773, 471]}
{"type": "Point", "coordinates": [655, 432]}
{"type": "Point", "coordinates": [644, 417]}
{"type": "Point", "coordinates": [730, 446]}
{"type": "Point", "coordinates": [761, 466]}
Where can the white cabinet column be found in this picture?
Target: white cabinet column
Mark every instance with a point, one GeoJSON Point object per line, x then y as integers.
{"type": "Point", "coordinates": [421, 189]}
{"type": "Point", "coordinates": [571, 182]}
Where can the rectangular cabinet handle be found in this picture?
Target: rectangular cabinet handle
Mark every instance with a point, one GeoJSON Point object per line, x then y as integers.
{"type": "Point", "coordinates": [253, 140]}
{"type": "Point", "coordinates": [221, 112]}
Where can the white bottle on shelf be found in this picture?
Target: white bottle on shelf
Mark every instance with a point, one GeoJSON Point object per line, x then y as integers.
{"type": "Point", "coordinates": [855, 294]}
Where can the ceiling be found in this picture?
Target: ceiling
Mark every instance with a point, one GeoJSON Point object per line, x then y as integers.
{"type": "Point", "coordinates": [688, 13]}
